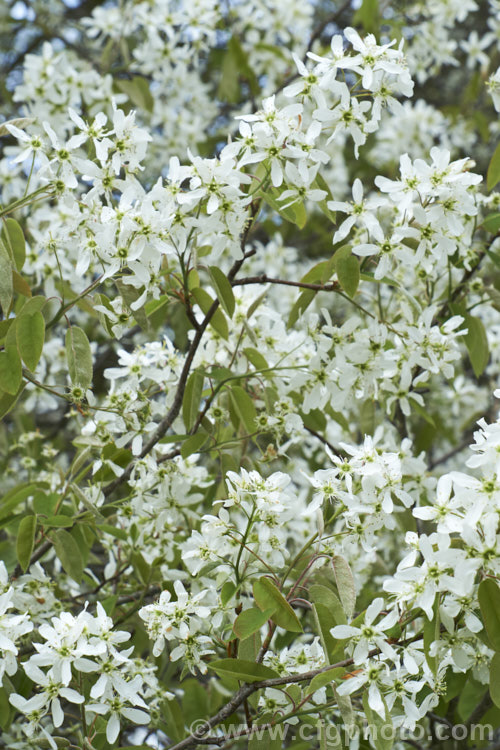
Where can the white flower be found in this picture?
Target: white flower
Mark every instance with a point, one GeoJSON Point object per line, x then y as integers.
{"type": "Point", "coordinates": [116, 706]}
{"type": "Point", "coordinates": [53, 690]}
{"type": "Point", "coordinates": [359, 210]}
{"type": "Point", "coordinates": [369, 636]}
{"type": "Point", "coordinates": [493, 84]}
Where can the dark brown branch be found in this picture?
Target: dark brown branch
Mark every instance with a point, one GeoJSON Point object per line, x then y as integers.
{"type": "Point", "coordinates": [264, 279]}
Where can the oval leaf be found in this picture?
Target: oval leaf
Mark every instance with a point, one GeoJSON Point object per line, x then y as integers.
{"type": "Point", "coordinates": [192, 398]}
{"type": "Point", "coordinates": [345, 584]}
{"type": "Point", "coordinates": [14, 497]}
{"type": "Point", "coordinates": [325, 678]}
{"type": "Point", "coordinates": [217, 321]}
{"type": "Point", "coordinates": [30, 337]}
{"type": "Point", "coordinates": [268, 597]}
{"type": "Point", "coordinates": [25, 541]}
{"type": "Point", "coordinates": [240, 669]}
{"type": "Point", "coordinates": [244, 407]}
{"type": "Point", "coordinates": [347, 267]}
{"type": "Point", "coordinates": [224, 290]}
{"type": "Point", "coordinates": [79, 357]}
{"type": "Point", "coordinates": [13, 238]}
{"type": "Point", "coordinates": [11, 372]}
{"type": "Point", "coordinates": [69, 554]}
{"type": "Point", "coordinates": [495, 679]}
{"type": "Point", "coordinates": [492, 223]}
{"type": "Point", "coordinates": [193, 444]}
{"type": "Point", "coordinates": [250, 621]}
{"type": "Point", "coordinates": [489, 601]}
{"type": "Point", "coordinates": [476, 342]}
{"type": "Point", "coordinates": [6, 280]}
{"type": "Point", "coordinates": [493, 174]}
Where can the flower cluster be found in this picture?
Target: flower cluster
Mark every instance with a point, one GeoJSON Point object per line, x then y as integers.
{"type": "Point", "coordinates": [249, 297]}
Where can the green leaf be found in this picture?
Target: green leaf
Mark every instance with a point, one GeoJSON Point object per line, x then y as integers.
{"type": "Point", "coordinates": [227, 592]}
{"type": "Point", "coordinates": [268, 597]}
{"type": "Point", "coordinates": [431, 634]}
{"type": "Point", "coordinates": [60, 742]}
{"type": "Point", "coordinates": [16, 495]}
{"type": "Point", "coordinates": [192, 398]}
{"type": "Point", "coordinates": [320, 273]}
{"type": "Point", "coordinates": [61, 522]}
{"type": "Point", "coordinates": [33, 305]}
{"type": "Point", "coordinates": [6, 709]}
{"type": "Point", "coordinates": [492, 223]}
{"type": "Point", "coordinates": [325, 678]}
{"type": "Point", "coordinates": [256, 303]}
{"type": "Point", "coordinates": [471, 697]}
{"type": "Point", "coordinates": [493, 174]}
{"type": "Point", "coordinates": [174, 719]}
{"type": "Point", "coordinates": [423, 412]}
{"type": "Point", "coordinates": [69, 554]}
{"type": "Point", "coordinates": [266, 739]}
{"type": "Point", "coordinates": [229, 87]}
{"type": "Point", "coordinates": [345, 707]}
{"type": "Point", "coordinates": [489, 601]}
{"type": "Point", "coordinates": [294, 213]}
{"type": "Point", "coordinates": [347, 268]}
{"type": "Point", "coordinates": [324, 622]}
{"type": "Point", "coordinates": [345, 584]}
{"type": "Point", "coordinates": [248, 648]}
{"type": "Point", "coordinates": [240, 669]}
{"type": "Point", "coordinates": [20, 285]}
{"type": "Point", "coordinates": [195, 702]}
{"type": "Point", "coordinates": [368, 15]}
{"type": "Point", "coordinates": [8, 400]}
{"type": "Point", "coordinates": [256, 358]}
{"type": "Point", "coordinates": [26, 541]}
{"type": "Point", "coordinates": [13, 238]}
{"type": "Point", "coordinates": [494, 296]}
{"type": "Point", "coordinates": [223, 289]}
{"type": "Point", "coordinates": [240, 59]}
{"type": "Point", "coordinates": [250, 621]}
{"type": "Point", "coordinates": [329, 736]}
{"type": "Point", "coordinates": [79, 357]}
{"type": "Point", "coordinates": [80, 460]}
{"type": "Point", "coordinates": [193, 444]}
{"type": "Point", "coordinates": [301, 305]}
{"type": "Point", "coordinates": [217, 320]}
{"type": "Point", "coordinates": [30, 338]}
{"type": "Point", "coordinates": [495, 679]}
{"type": "Point", "coordinates": [6, 281]}
{"type": "Point", "coordinates": [476, 342]}
{"type": "Point", "coordinates": [244, 407]}
{"type": "Point", "coordinates": [11, 373]}
{"type": "Point", "coordinates": [300, 214]}
{"type": "Point", "coordinates": [320, 594]}
{"type": "Point", "coordinates": [321, 184]}
{"type": "Point", "coordinates": [115, 531]}
{"type": "Point", "coordinates": [137, 90]}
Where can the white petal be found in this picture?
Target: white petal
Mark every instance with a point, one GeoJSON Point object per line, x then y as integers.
{"type": "Point", "coordinates": [344, 631]}
{"type": "Point", "coordinates": [113, 728]}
